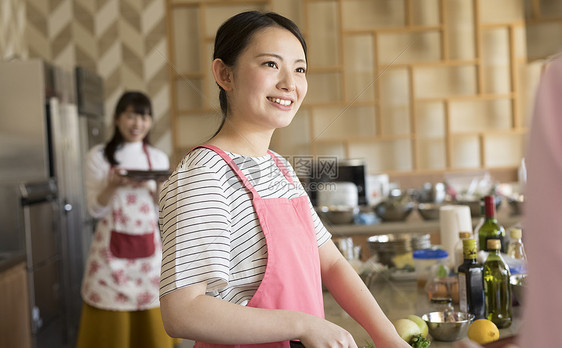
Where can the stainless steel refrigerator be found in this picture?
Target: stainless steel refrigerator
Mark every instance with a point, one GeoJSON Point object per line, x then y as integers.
{"type": "Point", "coordinates": [41, 158]}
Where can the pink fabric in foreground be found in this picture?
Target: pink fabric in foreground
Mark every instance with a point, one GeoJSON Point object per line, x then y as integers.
{"type": "Point", "coordinates": [542, 220]}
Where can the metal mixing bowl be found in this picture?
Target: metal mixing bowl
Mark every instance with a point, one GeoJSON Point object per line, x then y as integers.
{"type": "Point", "coordinates": [448, 326]}
{"type": "Point", "coordinates": [518, 286]}
{"type": "Point", "coordinates": [429, 211]}
{"type": "Point", "coordinates": [337, 214]}
{"type": "Point", "coordinates": [516, 204]}
{"type": "Point", "coordinates": [394, 210]}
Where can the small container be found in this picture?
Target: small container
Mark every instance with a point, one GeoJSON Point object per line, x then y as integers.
{"type": "Point", "coordinates": [425, 261]}
{"type": "Point", "coordinates": [442, 304]}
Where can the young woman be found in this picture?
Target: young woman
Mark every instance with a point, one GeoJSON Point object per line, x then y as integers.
{"type": "Point", "coordinates": [121, 280]}
{"type": "Point", "coordinates": [244, 253]}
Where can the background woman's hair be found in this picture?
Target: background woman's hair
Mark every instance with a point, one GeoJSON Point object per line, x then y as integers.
{"type": "Point", "coordinates": [141, 105]}
{"type": "Point", "coordinates": [235, 34]}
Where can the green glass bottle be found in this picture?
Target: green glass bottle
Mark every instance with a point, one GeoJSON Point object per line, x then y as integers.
{"type": "Point", "coordinates": [471, 281]}
{"type": "Point", "coordinates": [490, 229]}
{"type": "Point", "coordinates": [496, 286]}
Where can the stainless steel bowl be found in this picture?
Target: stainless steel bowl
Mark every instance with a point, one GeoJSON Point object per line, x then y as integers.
{"type": "Point", "coordinates": [337, 214]}
{"type": "Point", "coordinates": [518, 286]}
{"type": "Point", "coordinates": [387, 246]}
{"type": "Point", "coordinates": [448, 326]}
{"type": "Point", "coordinates": [429, 211]}
{"type": "Point", "coordinates": [516, 204]}
{"type": "Point", "coordinates": [394, 210]}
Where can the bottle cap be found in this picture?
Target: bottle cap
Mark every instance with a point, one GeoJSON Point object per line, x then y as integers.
{"type": "Point", "coordinates": [515, 233]}
{"type": "Point", "coordinates": [465, 235]}
{"type": "Point", "coordinates": [494, 244]}
{"type": "Point", "coordinates": [489, 205]}
{"type": "Point", "coordinates": [428, 254]}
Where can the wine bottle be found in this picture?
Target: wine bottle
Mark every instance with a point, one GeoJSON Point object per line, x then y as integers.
{"type": "Point", "coordinates": [471, 281]}
{"type": "Point", "coordinates": [496, 286]}
{"type": "Point", "coordinates": [490, 229]}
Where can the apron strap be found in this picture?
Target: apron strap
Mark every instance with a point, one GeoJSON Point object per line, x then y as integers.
{"type": "Point", "coordinates": [234, 167]}
{"type": "Point", "coordinates": [281, 167]}
{"type": "Point", "coordinates": [145, 149]}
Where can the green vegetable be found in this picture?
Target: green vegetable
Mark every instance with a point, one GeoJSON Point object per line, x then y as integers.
{"type": "Point", "coordinates": [442, 271]}
{"type": "Point", "coordinates": [419, 342]}
{"type": "Point", "coordinates": [415, 342]}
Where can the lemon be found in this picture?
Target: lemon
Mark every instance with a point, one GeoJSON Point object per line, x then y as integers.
{"type": "Point", "coordinates": [483, 331]}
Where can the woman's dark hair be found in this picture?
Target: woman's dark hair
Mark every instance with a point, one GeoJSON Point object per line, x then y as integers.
{"type": "Point", "coordinates": [141, 105]}
{"type": "Point", "coordinates": [235, 34]}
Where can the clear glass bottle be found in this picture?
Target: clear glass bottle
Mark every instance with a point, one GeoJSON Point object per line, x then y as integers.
{"type": "Point", "coordinates": [459, 253]}
{"type": "Point", "coordinates": [471, 281]}
{"type": "Point", "coordinates": [496, 286]}
{"type": "Point", "coordinates": [490, 229]}
{"type": "Point", "coordinates": [515, 247]}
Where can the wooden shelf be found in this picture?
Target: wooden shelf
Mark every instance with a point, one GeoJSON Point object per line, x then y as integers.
{"type": "Point", "coordinates": [407, 80]}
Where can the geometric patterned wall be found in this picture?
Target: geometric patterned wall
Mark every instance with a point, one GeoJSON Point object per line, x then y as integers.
{"type": "Point", "coordinates": [12, 29]}
{"type": "Point", "coordinates": [124, 41]}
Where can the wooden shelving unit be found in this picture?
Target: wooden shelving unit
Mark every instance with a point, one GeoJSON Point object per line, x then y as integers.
{"type": "Point", "coordinates": [410, 86]}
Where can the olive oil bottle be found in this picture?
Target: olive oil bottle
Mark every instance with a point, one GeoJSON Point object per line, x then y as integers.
{"type": "Point", "coordinates": [471, 281]}
{"type": "Point", "coordinates": [496, 286]}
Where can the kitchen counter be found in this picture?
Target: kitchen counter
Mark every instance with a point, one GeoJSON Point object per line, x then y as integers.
{"type": "Point", "coordinates": [10, 259]}
{"type": "Point", "coordinates": [397, 299]}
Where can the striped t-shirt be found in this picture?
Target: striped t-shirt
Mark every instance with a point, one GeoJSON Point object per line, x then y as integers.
{"type": "Point", "coordinates": [210, 230]}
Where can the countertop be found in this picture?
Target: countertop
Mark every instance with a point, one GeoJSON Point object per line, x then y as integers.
{"type": "Point", "coordinates": [397, 299]}
{"type": "Point", "coordinates": [10, 259]}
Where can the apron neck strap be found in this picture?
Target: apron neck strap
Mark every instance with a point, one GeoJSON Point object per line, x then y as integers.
{"type": "Point", "coordinates": [234, 168]}
{"type": "Point", "coordinates": [281, 167]}
{"type": "Point", "coordinates": [145, 149]}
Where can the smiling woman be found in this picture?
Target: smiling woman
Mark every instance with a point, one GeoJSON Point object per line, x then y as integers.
{"type": "Point", "coordinates": [244, 252]}
{"type": "Point", "coordinates": [120, 285]}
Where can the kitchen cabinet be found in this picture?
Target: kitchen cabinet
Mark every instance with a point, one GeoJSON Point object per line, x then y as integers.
{"type": "Point", "coordinates": [15, 330]}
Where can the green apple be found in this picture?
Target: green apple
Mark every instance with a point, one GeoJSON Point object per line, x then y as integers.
{"type": "Point", "coordinates": [420, 323]}
{"type": "Point", "coordinates": [407, 329]}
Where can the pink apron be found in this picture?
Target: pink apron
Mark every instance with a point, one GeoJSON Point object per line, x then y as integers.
{"type": "Point", "coordinates": [292, 278]}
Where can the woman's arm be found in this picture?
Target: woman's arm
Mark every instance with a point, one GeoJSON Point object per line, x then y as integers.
{"type": "Point", "coordinates": [355, 298]}
{"type": "Point", "coordinates": [189, 313]}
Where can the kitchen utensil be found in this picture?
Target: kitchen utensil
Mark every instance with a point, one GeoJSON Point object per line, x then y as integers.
{"type": "Point", "coordinates": [395, 208]}
{"type": "Point", "coordinates": [429, 211]}
{"type": "Point", "coordinates": [518, 286]}
{"type": "Point", "coordinates": [516, 203]}
{"type": "Point", "coordinates": [142, 175]}
{"type": "Point", "coordinates": [388, 246]}
{"type": "Point", "coordinates": [337, 194]}
{"type": "Point", "coordinates": [338, 214]}
{"type": "Point", "coordinates": [448, 326]}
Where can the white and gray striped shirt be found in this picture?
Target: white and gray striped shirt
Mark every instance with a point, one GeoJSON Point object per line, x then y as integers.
{"type": "Point", "coordinates": [210, 230]}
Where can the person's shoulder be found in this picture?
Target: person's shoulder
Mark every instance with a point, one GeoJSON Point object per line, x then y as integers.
{"type": "Point", "coordinates": [201, 161]}
{"type": "Point", "coordinates": [96, 152]}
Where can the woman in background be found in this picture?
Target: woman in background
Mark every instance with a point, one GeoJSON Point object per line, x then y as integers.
{"type": "Point", "coordinates": [121, 280]}
{"type": "Point", "coordinates": [245, 254]}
